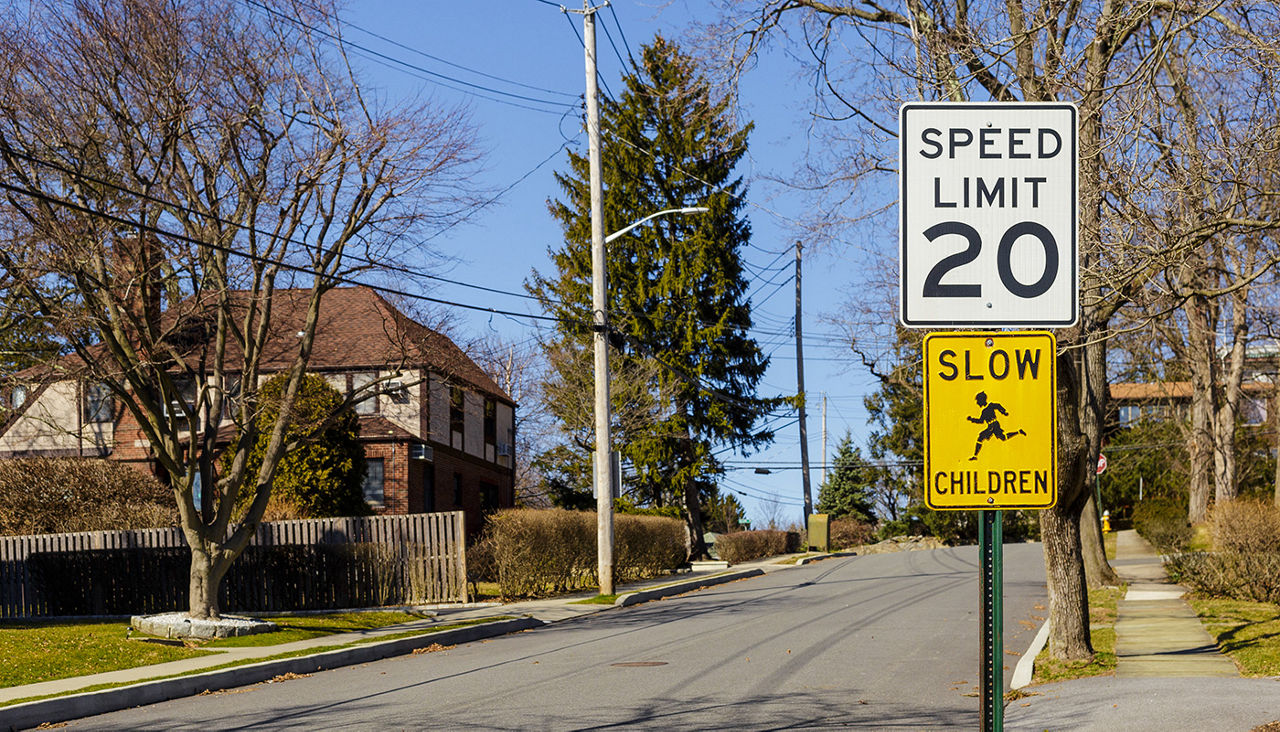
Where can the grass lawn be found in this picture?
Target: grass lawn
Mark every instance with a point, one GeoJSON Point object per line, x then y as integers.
{"type": "Point", "coordinates": [289, 654]}
{"type": "Point", "coordinates": [1248, 632]}
{"type": "Point", "coordinates": [1102, 620]}
{"type": "Point", "coordinates": [1109, 544]}
{"type": "Point", "coordinates": [39, 651]}
{"type": "Point", "coordinates": [295, 628]}
{"type": "Point", "coordinates": [36, 651]}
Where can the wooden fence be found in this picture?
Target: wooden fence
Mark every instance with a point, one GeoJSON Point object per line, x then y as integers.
{"type": "Point", "coordinates": [289, 565]}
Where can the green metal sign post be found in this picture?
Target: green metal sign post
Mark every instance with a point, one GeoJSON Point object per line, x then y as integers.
{"type": "Point", "coordinates": [991, 548]}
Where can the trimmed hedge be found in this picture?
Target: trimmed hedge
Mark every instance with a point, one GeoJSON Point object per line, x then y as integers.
{"type": "Point", "coordinates": [1163, 522]}
{"type": "Point", "coordinates": [539, 552]}
{"type": "Point", "coordinates": [848, 533]}
{"type": "Point", "coordinates": [744, 546]}
{"type": "Point", "coordinates": [61, 495]}
{"type": "Point", "coordinates": [1251, 576]}
{"type": "Point", "coordinates": [1245, 525]}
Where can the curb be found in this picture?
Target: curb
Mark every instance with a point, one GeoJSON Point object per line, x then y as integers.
{"type": "Point", "coordinates": [87, 704]}
{"type": "Point", "coordinates": [679, 588]}
{"type": "Point", "coordinates": [820, 557]}
{"type": "Point", "coordinates": [1026, 667]}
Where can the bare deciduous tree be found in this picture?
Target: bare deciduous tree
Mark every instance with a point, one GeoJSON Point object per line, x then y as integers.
{"type": "Point", "coordinates": [867, 58]}
{"type": "Point", "coordinates": [189, 170]}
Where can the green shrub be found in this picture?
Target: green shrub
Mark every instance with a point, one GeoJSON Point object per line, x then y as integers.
{"type": "Point", "coordinates": [1253, 576]}
{"type": "Point", "coordinates": [744, 546]}
{"type": "Point", "coordinates": [1163, 522]}
{"type": "Point", "coordinates": [325, 476]}
{"type": "Point", "coordinates": [538, 552]}
{"type": "Point", "coordinates": [59, 495]}
{"type": "Point", "coordinates": [1246, 525]}
{"type": "Point", "coordinates": [847, 533]}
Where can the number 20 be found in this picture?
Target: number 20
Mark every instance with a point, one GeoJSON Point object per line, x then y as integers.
{"type": "Point", "coordinates": [934, 287]}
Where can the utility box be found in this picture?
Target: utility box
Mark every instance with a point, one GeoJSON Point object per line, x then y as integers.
{"type": "Point", "coordinates": [819, 536]}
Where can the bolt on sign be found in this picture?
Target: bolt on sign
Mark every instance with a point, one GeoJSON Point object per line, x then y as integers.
{"type": "Point", "coordinates": [990, 427]}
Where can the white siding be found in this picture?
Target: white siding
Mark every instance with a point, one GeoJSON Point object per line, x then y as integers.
{"type": "Point", "coordinates": [473, 423]}
{"type": "Point", "coordinates": [439, 410]}
{"type": "Point", "coordinates": [405, 412]}
{"type": "Point", "coordinates": [50, 424]}
{"type": "Point", "coordinates": [506, 433]}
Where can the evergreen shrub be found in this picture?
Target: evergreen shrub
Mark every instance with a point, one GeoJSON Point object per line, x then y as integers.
{"type": "Point", "coordinates": [1163, 522]}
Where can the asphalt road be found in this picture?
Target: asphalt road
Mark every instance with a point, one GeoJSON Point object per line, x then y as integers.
{"type": "Point", "coordinates": [880, 642]}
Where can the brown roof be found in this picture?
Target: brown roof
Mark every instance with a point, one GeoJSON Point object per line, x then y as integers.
{"type": "Point", "coordinates": [1151, 391]}
{"type": "Point", "coordinates": [1157, 390]}
{"type": "Point", "coordinates": [357, 329]}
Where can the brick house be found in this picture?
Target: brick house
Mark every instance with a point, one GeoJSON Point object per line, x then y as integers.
{"type": "Point", "coordinates": [438, 432]}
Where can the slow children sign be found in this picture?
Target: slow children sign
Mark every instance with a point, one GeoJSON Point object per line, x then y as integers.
{"type": "Point", "coordinates": [990, 427]}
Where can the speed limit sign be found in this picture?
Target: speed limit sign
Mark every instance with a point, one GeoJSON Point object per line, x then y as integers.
{"type": "Point", "coordinates": [988, 215]}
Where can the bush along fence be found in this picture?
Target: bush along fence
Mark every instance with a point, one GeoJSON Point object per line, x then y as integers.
{"type": "Point", "coordinates": [536, 552]}
{"type": "Point", "coordinates": [310, 564]}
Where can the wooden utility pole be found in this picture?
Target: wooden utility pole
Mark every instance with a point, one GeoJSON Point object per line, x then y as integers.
{"type": "Point", "coordinates": [804, 429]}
{"type": "Point", "coordinates": [600, 320]}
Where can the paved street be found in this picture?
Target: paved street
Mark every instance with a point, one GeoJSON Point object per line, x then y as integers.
{"type": "Point", "coordinates": [886, 641]}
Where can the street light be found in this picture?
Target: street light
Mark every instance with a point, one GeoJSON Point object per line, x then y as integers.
{"type": "Point", "coordinates": [604, 457]}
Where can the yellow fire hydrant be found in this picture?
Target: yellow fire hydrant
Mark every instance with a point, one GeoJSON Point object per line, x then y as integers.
{"type": "Point", "coordinates": [1106, 522]}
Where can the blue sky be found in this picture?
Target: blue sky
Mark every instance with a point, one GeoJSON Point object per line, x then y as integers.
{"type": "Point", "coordinates": [528, 48]}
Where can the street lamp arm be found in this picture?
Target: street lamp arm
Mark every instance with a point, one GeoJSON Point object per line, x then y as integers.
{"type": "Point", "coordinates": [664, 212]}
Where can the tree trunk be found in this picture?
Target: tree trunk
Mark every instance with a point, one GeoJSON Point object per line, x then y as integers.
{"type": "Point", "coordinates": [1202, 357]}
{"type": "Point", "coordinates": [205, 578]}
{"type": "Point", "coordinates": [1060, 527]}
{"type": "Point", "coordinates": [1097, 570]}
{"type": "Point", "coordinates": [697, 546]}
{"type": "Point", "coordinates": [1094, 404]}
{"type": "Point", "coordinates": [1225, 486]}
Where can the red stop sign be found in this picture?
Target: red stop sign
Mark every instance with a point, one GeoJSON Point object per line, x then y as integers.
{"type": "Point", "coordinates": [1102, 463]}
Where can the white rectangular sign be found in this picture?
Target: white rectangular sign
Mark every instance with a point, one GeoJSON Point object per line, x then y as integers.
{"type": "Point", "coordinates": [988, 215]}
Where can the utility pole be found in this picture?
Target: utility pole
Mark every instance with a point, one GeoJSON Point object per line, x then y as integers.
{"type": "Point", "coordinates": [804, 429]}
{"type": "Point", "coordinates": [824, 439]}
{"type": "Point", "coordinates": [599, 304]}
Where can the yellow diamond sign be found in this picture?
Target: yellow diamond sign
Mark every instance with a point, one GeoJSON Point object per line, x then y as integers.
{"type": "Point", "coordinates": [990, 427]}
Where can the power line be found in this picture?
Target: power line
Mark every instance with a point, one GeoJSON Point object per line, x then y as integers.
{"type": "Point", "coordinates": [253, 230]}
{"type": "Point", "coordinates": [437, 76]}
{"type": "Point", "coordinates": [339, 279]}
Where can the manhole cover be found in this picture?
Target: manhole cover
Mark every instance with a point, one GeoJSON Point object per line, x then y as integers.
{"type": "Point", "coordinates": [640, 664]}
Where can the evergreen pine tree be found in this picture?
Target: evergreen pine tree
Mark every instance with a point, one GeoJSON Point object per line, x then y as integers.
{"type": "Point", "coordinates": [846, 493]}
{"type": "Point", "coordinates": [677, 295]}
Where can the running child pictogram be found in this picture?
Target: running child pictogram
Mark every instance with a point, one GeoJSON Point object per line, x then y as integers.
{"type": "Point", "coordinates": [988, 417]}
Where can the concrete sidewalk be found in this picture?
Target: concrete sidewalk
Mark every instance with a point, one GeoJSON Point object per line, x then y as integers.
{"type": "Point", "coordinates": [143, 686]}
{"type": "Point", "coordinates": [1157, 632]}
{"type": "Point", "coordinates": [1170, 674]}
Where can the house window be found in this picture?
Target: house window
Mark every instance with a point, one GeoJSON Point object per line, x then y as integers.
{"type": "Point", "coordinates": [361, 386]}
{"type": "Point", "coordinates": [97, 403]}
{"type": "Point", "coordinates": [1253, 409]}
{"type": "Point", "coordinates": [488, 497]}
{"type": "Point", "coordinates": [490, 428]}
{"type": "Point", "coordinates": [19, 397]}
{"type": "Point", "coordinates": [1129, 413]}
{"type": "Point", "coordinates": [456, 419]}
{"type": "Point", "coordinates": [373, 481]}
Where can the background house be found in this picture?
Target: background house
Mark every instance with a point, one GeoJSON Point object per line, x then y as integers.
{"type": "Point", "coordinates": [438, 432]}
